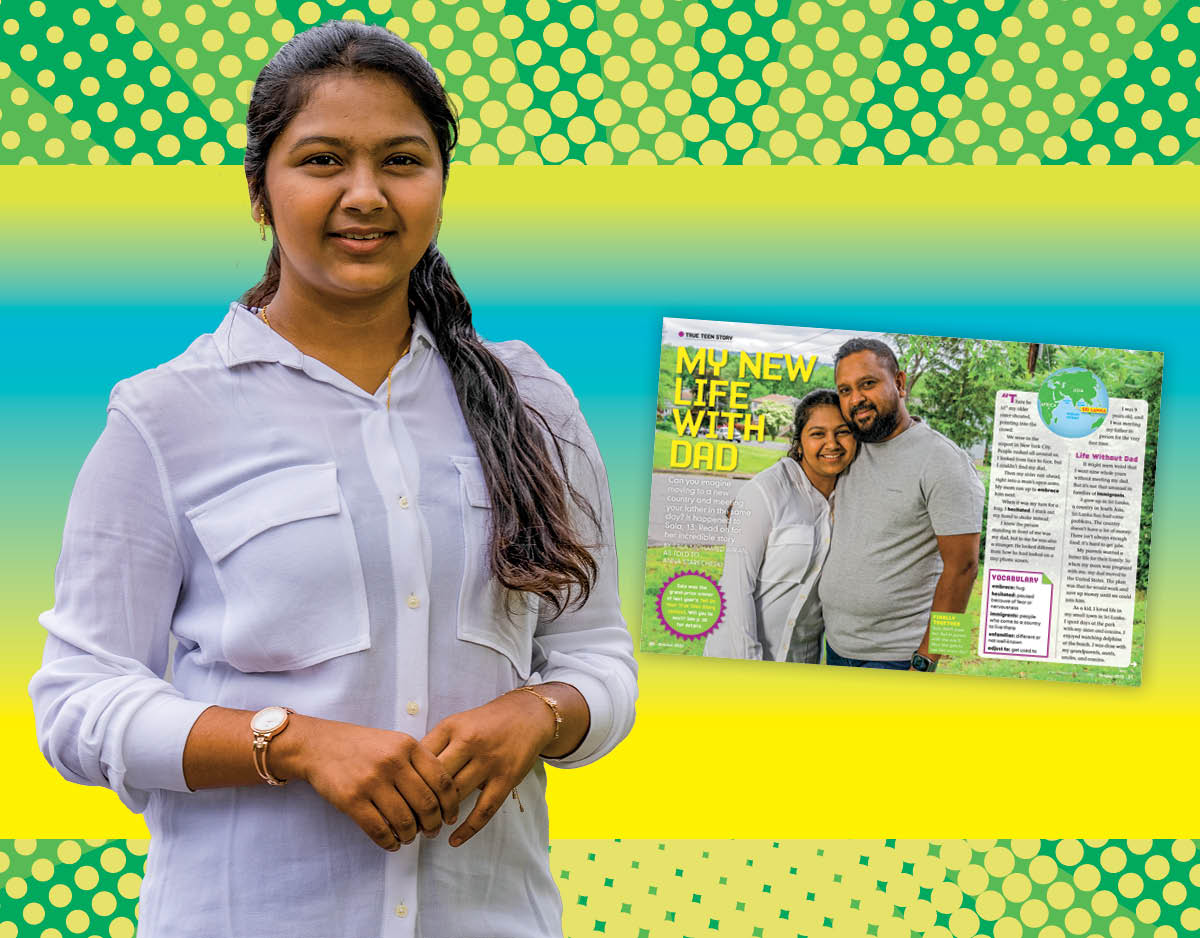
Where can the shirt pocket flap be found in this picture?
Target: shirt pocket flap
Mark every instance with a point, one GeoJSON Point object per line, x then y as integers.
{"type": "Point", "coordinates": [792, 534]}
{"type": "Point", "coordinates": [225, 523]}
{"type": "Point", "coordinates": [285, 558]}
{"type": "Point", "coordinates": [470, 470]}
{"type": "Point", "coordinates": [789, 551]}
{"type": "Point", "coordinates": [489, 614]}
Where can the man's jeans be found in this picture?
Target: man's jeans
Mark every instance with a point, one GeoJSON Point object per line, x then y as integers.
{"type": "Point", "coordinates": [832, 657]}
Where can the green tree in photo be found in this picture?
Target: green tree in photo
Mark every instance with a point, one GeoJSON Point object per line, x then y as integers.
{"type": "Point", "coordinates": [776, 417]}
{"type": "Point", "coordinates": [958, 394]}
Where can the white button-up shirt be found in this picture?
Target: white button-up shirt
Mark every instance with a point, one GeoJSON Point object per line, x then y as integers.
{"type": "Point", "coordinates": [306, 546]}
{"type": "Point", "coordinates": [779, 530]}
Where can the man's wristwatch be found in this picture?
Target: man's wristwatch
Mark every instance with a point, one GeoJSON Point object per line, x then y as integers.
{"type": "Point", "coordinates": [921, 663]}
{"type": "Point", "coordinates": [266, 725]}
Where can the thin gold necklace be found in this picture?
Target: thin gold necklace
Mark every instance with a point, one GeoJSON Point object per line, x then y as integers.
{"type": "Point", "coordinates": [262, 314]}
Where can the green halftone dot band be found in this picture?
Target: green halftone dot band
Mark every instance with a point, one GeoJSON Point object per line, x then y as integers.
{"type": "Point", "coordinates": [624, 82]}
{"type": "Point", "coordinates": [60, 888]}
{"type": "Point", "coordinates": [773, 889]}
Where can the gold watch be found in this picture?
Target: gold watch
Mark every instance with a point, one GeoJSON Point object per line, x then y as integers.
{"type": "Point", "coordinates": [266, 725]}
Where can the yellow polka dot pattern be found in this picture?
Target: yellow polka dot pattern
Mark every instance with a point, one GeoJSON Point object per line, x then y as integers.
{"type": "Point", "coordinates": [901, 888]}
{"type": "Point", "coordinates": [639, 81]}
{"type": "Point", "coordinates": [64, 888]}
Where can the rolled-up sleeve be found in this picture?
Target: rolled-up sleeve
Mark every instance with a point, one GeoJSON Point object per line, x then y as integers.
{"type": "Point", "coordinates": [104, 713]}
{"type": "Point", "coordinates": [590, 647]}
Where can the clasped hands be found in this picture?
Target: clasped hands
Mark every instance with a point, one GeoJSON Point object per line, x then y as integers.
{"type": "Point", "coordinates": [395, 787]}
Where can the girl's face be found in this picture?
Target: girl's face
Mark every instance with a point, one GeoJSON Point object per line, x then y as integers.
{"type": "Point", "coordinates": [355, 189]}
{"type": "Point", "coordinates": [826, 444]}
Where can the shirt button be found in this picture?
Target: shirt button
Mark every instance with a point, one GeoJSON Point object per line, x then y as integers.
{"type": "Point", "coordinates": [403, 501]}
{"type": "Point", "coordinates": [401, 911]}
{"type": "Point", "coordinates": [414, 601]}
{"type": "Point", "coordinates": [413, 708]}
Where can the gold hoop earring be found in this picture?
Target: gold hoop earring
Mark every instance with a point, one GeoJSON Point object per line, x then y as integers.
{"type": "Point", "coordinates": [262, 223]}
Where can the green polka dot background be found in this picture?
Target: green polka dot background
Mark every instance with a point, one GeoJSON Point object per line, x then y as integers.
{"type": "Point", "coordinates": [59, 888]}
{"type": "Point", "coordinates": [757, 889]}
{"type": "Point", "coordinates": [637, 81]}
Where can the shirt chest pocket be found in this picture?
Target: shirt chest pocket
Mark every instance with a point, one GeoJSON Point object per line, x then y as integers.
{"type": "Point", "coordinates": [489, 614]}
{"type": "Point", "coordinates": [789, 550]}
{"type": "Point", "coordinates": [286, 560]}
{"type": "Point", "coordinates": [905, 513]}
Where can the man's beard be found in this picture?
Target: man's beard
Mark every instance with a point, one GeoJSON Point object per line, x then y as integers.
{"type": "Point", "coordinates": [879, 430]}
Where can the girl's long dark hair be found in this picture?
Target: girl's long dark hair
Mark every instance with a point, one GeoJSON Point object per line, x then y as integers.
{"type": "Point", "coordinates": [534, 545]}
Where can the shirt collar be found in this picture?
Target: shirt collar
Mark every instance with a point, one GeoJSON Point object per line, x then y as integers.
{"type": "Point", "coordinates": [423, 334]}
{"type": "Point", "coordinates": [242, 337]}
{"type": "Point", "coordinates": [800, 478]}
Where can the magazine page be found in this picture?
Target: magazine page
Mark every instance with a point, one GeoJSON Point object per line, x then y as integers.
{"type": "Point", "coordinates": [898, 501]}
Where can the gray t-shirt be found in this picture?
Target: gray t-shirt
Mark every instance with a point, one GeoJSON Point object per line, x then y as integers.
{"type": "Point", "coordinates": [893, 502]}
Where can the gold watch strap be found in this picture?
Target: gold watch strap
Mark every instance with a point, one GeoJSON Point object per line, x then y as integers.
{"type": "Point", "coordinates": [259, 750]}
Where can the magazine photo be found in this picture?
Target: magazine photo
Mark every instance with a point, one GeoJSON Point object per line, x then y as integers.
{"type": "Point", "coordinates": [902, 502]}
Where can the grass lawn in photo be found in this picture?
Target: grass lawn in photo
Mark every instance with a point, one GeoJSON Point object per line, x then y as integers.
{"type": "Point", "coordinates": [664, 562]}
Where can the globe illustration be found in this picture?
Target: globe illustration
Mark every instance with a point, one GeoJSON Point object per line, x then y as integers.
{"type": "Point", "coordinates": [1073, 402]}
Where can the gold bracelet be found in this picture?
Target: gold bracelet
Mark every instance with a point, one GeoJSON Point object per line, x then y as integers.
{"type": "Point", "coordinates": [552, 704]}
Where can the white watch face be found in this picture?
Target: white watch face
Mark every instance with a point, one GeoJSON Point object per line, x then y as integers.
{"type": "Point", "coordinates": [269, 719]}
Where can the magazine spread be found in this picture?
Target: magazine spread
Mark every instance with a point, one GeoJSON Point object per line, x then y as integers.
{"type": "Point", "coordinates": [901, 501]}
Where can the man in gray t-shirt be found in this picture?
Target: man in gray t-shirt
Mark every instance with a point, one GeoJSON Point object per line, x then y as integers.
{"type": "Point", "coordinates": [906, 522]}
